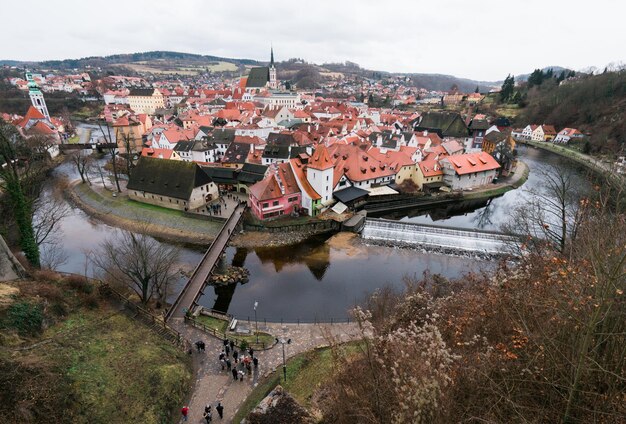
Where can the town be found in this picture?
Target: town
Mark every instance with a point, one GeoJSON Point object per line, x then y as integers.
{"type": "Point", "coordinates": [291, 152]}
{"type": "Point", "coordinates": [258, 214]}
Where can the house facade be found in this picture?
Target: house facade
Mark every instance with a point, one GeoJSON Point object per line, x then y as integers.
{"type": "Point", "coordinates": [462, 172]}
{"type": "Point", "coordinates": [145, 100]}
{"type": "Point", "coordinates": [171, 184]}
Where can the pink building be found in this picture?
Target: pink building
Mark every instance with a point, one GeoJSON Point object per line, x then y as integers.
{"type": "Point", "coordinates": [276, 195]}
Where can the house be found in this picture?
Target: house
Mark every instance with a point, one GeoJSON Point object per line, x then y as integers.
{"type": "Point", "coordinates": [538, 134]}
{"type": "Point", "coordinates": [491, 140]}
{"type": "Point", "coordinates": [528, 131]}
{"type": "Point", "coordinates": [405, 167]}
{"type": "Point", "coordinates": [429, 174]}
{"type": "Point", "coordinates": [478, 129]}
{"type": "Point", "coordinates": [567, 134]}
{"type": "Point", "coordinates": [145, 100]}
{"type": "Point", "coordinates": [549, 132]}
{"type": "Point", "coordinates": [128, 133]}
{"type": "Point", "coordinates": [201, 151]}
{"type": "Point", "coordinates": [276, 195]}
{"type": "Point", "coordinates": [171, 184]}
{"type": "Point", "coordinates": [445, 124]}
{"type": "Point", "coordinates": [463, 172]}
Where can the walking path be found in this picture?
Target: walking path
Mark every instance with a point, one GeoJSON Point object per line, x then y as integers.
{"type": "Point", "coordinates": [212, 384]}
{"type": "Point", "coordinates": [192, 290]}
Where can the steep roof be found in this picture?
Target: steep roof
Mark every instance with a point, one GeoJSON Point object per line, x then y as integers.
{"type": "Point", "coordinates": [320, 159]}
{"type": "Point", "coordinates": [266, 189]}
{"type": "Point", "coordinates": [445, 124]}
{"type": "Point", "coordinates": [258, 77]}
{"type": "Point", "coordinates": [164, 177]}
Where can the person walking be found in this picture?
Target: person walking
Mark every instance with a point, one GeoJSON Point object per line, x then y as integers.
{"type": "Point", "coordinates": [251, 351]}
{"type": "Point", "coordinates": [185, 412]}
{"type": "Point", "coordinates": [241, 374]}
{"type": "Point", "coordinates": [207, 408]}
{"type": "Point", "coordinates": [220, 410]}
{"type": "Point", "coordinates": [255, 360]}
{"type": "Point", "coordinates": [228, 364]}
{"type": "Point", "coordinates": [232, 345]}
{"type": "Point", "coordinates": [227, 348]}
{"type": "Point", "coordinates": [234, 372]}
{"type": "Point", "coordinates": [208, 416]}
{"type": "Point", "coordinates": [235, 355]}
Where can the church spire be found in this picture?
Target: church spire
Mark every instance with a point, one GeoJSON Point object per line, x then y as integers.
{"type": "Point", "coordinates": [272, 56]}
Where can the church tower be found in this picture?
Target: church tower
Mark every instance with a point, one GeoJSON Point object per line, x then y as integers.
{"type": "Point", "coordinates": [273, 83]}
{"type": "Point", "coordinates": [36, 96]}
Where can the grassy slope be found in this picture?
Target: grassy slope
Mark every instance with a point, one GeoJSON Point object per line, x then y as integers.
{"type": "Point", "coordinates": [306, 373]}
{"type": "Point", "coordinates": [96, 365]}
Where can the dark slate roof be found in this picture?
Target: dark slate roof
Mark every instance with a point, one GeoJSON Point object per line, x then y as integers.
{"type": "Point", "coordinates": [184, 146]}
{"type": "Point", "coordinates": [141, 92]}
{"type": "Point", "coordinates": [165, 177]}
{"type": "Point", "coordinates": [495, 137]}
{"type": "Point", "coordinates": [296, 151]}
{"type": "Point", "coordinates": [254, 168]}
{"type": "Point", "coordinates": [236, 153]}
{"type": "Point", "coordinates": [222, 136]}
{"type": "Point", "coordinates": [280, 139]}
{"type": "Point", "coordinates": [446, 124]}
{"type": "Point", "coordinates": [258, 77]}
{"type": "Point", "coordinates": [221, 175]}
{"type": "Point", "coordinates": [350, 194]}
{"type": "Point", "coordinates": [479, 124]}
{"type": "Point", "coordinates": [276, 152]}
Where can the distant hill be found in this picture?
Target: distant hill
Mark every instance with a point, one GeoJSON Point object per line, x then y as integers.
{"type": "Point", "coordinates": [555, 69]}
{"type": "Point", "coordinates": [439, 82]}
{"type": "Point", "coordinates": [158, 58]}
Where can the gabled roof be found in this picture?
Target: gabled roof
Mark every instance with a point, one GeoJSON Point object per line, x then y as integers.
{"type": "Point", "coordinates": [236, 153]}
{"type": "Point", "coordinates": [266, 189]}
{"type": "Point", "coordinates": [446, 124]}
{"type": "Point", "coordinates": [172, 178]}
{"type": "Point", "coordinates": [258, 77]}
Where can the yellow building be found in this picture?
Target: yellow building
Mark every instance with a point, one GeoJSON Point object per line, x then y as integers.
{"type": "Point", "coordinates": [146, 100]}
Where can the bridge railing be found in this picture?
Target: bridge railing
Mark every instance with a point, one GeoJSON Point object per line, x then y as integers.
{"type": "Point", "coordinates": [185, 289]}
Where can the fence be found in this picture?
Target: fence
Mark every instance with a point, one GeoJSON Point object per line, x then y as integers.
{"type": "Point", "coordinates": [297, 320]}
{"type": "Point", "coordinates": [154, 322]}
{"type": "Point", "coordinates": [221, 335]}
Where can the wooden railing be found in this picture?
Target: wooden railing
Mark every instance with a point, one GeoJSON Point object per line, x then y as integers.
{"type": "Point", "coordinates": [221, 335]}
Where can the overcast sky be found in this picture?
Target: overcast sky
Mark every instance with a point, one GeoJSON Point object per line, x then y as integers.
{"type": "Point", "coordinates": [479, 39]}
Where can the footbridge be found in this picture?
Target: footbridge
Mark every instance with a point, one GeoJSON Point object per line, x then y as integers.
{"type": "Point", "coordinates": [445, 238]}
{"type": "Point", "coordinates": [192, 291]}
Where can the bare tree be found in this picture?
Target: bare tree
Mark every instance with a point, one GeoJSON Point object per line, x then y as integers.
{"type": "Point", "coordinates": [553, 212]}
{"type": "Point", "coordinates": [139, 263]}
{"type": "Point", "coordinates": [83, 162]}
{"type": "Point", "coordinates": [113, 150]}
{"type": "Point", "coordinates": [128, 143]}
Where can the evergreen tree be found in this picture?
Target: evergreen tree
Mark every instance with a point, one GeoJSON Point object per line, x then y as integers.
{"type": "Point", "coordinates": [561, 77]}
{"type": "Point", "coordinates": [536, 78]}
{"type": "Point", "coordinates": [507, 88]}
{"type": "Point", "coordinates": [476, 90]}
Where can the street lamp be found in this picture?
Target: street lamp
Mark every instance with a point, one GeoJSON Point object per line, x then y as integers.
{"type": "Point", "coordinates": [283, 342]}
{"type": "Point", "coordinates": [256, 323]}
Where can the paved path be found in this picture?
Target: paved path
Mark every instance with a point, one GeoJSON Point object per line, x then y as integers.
{"type": "Point", "coordinates": [192, 290]}
{"type": "Point", "coordinates": [213, 385]}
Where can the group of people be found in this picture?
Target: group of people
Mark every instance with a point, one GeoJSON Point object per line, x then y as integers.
{"type": "Point", "coordinates": [208, 412]}
{"type": "Point", "coordinates": [242, 361]}
{"type": "Point", "coordinates": [216, 209]}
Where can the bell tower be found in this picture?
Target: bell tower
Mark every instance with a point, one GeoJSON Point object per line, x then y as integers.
{"type": "Point", "coordinates": [36, 96]}
{"type": "Point", "coordinates": [273, 83]}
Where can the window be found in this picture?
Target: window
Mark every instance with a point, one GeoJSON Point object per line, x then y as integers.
{"type": "Point", "coordinates": [275, 203]}
{"type": "Point", "coordinates": [327, 177]}
{"type": "Point", "coordinates": [266, 205]}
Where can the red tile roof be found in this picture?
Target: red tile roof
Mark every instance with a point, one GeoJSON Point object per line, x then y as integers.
{"type": "Point", "coordinates": [266, 189]}
{"type": "Point", "coordinates": [320, 159]}
{"type": "Point", "coordinates": [472, 162]}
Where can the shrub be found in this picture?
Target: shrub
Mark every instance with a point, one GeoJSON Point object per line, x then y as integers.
{"type": "Point", "coordinates": [79, 283]}
{"type": "Point", "coordinates": [25, 317]}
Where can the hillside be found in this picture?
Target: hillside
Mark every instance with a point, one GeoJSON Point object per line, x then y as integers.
{"type": "Point", "coordinates": [595, 104]}
{"type": "Point", "coordinates": [68, 353]}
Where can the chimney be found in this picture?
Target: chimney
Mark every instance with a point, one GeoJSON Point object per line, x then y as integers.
{"type": "Point", "coordinates": [425, 133]}
{"type": "Point", "coordinates": [252, 148]}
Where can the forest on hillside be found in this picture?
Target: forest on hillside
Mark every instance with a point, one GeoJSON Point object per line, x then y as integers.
{"type": "Point", "coordinates": [595, 104]}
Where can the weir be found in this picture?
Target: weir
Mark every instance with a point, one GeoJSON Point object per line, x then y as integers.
{"type": "Point", "coordinates": [449, 238]}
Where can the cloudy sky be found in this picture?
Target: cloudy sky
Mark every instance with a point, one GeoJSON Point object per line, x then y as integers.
{"type": "Point", "coordinates": [479, 39]}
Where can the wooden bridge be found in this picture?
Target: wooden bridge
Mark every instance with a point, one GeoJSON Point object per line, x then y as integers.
{"type": "Point", "coordinates": [192, 291]}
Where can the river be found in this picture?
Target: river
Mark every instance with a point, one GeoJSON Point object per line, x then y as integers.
{"type": "Point", "coordinates": [320, 278]}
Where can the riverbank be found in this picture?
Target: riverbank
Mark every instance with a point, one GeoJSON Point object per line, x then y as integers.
{"type": "Point", "coordinates": [587, 161]}
{"type": "Point", "coordinates": [170, 225]}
